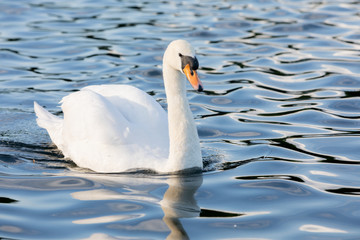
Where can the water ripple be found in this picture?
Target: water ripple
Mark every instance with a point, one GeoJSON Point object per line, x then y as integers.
{"type": "Point", "coordinates": [278, 120]}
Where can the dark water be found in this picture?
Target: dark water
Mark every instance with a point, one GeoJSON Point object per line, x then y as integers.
{"type": "Point", "coordinates": [280, 112]}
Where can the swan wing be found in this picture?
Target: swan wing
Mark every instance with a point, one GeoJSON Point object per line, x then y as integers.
{"type": "Point", "coordinates": [111, 128]}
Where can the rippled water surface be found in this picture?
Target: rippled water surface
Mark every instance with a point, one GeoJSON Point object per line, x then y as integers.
{"type": "Point", "coordinates": [278, 121]}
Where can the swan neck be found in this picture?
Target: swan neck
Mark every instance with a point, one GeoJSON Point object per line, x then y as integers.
{"type": "Point", "coordinates": [185, 152]}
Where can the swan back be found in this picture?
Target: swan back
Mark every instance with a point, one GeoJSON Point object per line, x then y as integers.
{"type": "Point", "coordinates": [114, 127]}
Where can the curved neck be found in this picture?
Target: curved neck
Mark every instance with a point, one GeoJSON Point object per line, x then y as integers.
{"type": "Point", "coordinates": [185, 149]}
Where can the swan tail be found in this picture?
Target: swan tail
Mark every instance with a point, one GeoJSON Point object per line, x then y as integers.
{"type": "Point", "coordinates": [51, 123]}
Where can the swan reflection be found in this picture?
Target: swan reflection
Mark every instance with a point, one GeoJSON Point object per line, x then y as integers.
{"type": "Point", "coordinates": [177, 202]}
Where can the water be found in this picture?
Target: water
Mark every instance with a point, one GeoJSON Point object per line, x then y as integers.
{"type": "Point", "coordinates": [278, 121]}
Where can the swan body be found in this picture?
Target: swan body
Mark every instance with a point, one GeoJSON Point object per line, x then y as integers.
{"type": "Point", "coordinates": [115, 128]}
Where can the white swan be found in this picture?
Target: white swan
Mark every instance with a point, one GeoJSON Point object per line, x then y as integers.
{"type": "Point", "coordinates": [115, 128]}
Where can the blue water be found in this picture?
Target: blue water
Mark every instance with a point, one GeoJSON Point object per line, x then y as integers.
{"type": "Point", "coordinates": [278, 121]}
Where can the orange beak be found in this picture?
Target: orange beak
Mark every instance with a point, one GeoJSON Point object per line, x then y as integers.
{"type": "Point", "coordinates": [193, 78]}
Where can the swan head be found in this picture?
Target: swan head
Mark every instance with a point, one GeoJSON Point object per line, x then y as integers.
{"type": "Point", "coordinates": [180, 55]}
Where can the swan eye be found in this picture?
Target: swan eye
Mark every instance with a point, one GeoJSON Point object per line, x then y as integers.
{"type": "Point", "coordinates": [192, 61]}
{"type": "Point", "coordinates": [195, 64]}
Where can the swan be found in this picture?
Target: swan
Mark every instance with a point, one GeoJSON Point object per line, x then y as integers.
{"type": "Point", "coordinates": [117, 128]}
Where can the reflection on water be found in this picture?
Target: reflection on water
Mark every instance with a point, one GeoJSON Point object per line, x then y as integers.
{"type": "Point", "coordinates": [278, 120]}
{"type": "Point", "coordinates": [177, 202]}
